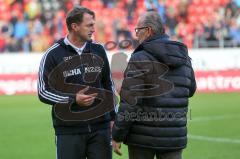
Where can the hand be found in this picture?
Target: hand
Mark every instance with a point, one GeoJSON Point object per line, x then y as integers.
{"type": "Point", "coordinates": [116, 147]}
{"type": "Point", "coordinates": [84, 99]}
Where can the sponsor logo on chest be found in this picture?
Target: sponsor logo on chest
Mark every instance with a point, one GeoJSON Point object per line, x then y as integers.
{"type": "Point", "coordinates": [77, 71]}
{"type": "Point", "coordinates": [93, 69]}
{"type": "Point", "coordinates": [73, 72]}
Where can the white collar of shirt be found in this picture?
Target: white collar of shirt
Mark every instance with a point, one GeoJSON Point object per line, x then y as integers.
{"type": "Point", "coordinates": [78, 50]}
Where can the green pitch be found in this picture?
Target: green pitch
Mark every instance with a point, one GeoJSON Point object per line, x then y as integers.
{"type": "Point", "coordinates": [214, 133]}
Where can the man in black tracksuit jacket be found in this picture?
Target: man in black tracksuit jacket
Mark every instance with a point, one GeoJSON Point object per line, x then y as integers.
{"type": "Point", "coordinates": [165, 135]}
{"type": "Point", "coordinates": [75, 139]}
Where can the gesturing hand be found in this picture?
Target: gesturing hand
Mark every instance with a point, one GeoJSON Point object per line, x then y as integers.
{"type": "Point", "coordinates": [85, 99]}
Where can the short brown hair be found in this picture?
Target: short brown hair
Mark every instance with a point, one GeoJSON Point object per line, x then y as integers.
{"type": "Point", "coordinates": [76, 15]}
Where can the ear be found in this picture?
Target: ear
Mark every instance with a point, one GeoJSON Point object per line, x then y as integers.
{"type": "Point", "coordinates": [150, 32]}
{"type": "Point", "coordinates": [74, 26]}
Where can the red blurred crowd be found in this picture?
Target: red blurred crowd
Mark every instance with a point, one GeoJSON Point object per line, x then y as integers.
{"type": "Point", "coordinates": [34, 25]}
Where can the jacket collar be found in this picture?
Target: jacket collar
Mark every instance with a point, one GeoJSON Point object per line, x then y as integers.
{"type": "Point", "coordinates": [157, 36]}
{"type": "Point", "coordinates": [87, 48]}
{"type": "Point", "coordinates": [162, 37]}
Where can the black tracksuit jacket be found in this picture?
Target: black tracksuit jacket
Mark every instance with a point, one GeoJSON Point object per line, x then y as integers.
{"type": "Point", "coordinates": [56, 55]}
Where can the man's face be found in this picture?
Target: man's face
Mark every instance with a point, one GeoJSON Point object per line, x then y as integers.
{"type": "Point", "coordinates": [85, 29]}
{"type": "Point", "coordinates": [142, 31]}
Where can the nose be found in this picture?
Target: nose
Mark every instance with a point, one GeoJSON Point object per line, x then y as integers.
{"type": "Point", "coordinates": [92, 29]}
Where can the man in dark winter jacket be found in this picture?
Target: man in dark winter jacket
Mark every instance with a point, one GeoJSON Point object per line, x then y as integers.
{"type": "Point", "coordinates": [158, 81]}
{"type": "Point", "coordinates": [74, 77]}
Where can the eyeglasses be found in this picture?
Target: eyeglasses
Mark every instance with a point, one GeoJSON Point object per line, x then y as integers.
{"type": "Point", "coordinates": [138, 29]}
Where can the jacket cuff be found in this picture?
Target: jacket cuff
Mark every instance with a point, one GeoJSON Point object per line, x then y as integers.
{"type": "Point", "coordinates": [119, 135]}
{"type": "Point", "coordinates": [113, 115]}
{"type": "Point", "coordinates": [72, 98]}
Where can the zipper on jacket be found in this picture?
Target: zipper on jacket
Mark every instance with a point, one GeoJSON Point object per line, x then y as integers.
{"type": "Point", "coordinates": [89, 128]}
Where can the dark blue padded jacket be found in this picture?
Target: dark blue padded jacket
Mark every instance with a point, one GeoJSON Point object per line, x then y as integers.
{"type": "Point", "coordinates": [159, 121]}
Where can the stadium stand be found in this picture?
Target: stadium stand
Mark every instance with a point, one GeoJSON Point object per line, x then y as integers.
{"type": "Point", "coordinates": [33, 25]}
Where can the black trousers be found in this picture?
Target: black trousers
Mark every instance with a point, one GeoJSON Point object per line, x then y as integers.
{"type": "Point", "coordinates": [146, 153]}
{"type": "Point", "coordinates": [94, 145]}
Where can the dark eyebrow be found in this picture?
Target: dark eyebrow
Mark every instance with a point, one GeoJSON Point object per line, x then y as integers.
{"type": "Point", "coordinates": [91, 24]}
